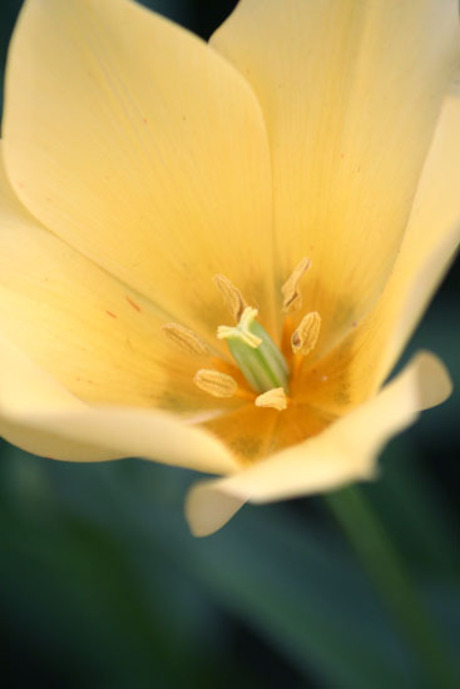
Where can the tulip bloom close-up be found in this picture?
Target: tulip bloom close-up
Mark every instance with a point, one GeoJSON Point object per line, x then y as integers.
{"type": "Point", "coordinates": [212, 255]}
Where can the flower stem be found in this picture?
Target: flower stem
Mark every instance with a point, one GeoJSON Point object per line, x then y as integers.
{"type": "Point", "coordinates": [368, 537]}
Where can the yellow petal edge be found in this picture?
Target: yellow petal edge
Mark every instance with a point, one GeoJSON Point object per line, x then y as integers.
{"type": "Point", "coordinates": [345, 452]}
{"type": "Point", "coordinates": [39, 415]}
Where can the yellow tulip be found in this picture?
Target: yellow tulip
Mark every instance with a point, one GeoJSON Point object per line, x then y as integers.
{"type": "Point", "coordinates": [213, 255]}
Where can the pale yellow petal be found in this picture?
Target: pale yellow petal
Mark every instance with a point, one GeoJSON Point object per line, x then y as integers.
{"type": "Point", "coordinates": [139, 145]}
{"type": "Point", "coordinates": [208, 509]}
{"type": "Point", "coordinates": [350, 93]}
{"type": "Point", "coordinates": [39, 415]}
{"type": "Point", "coordinates": [432, 236]}
{"type": "Point", "coordinates": [346, 451]}
{"type": "Point", "coordinates": [362, 362]}
{"type": "Point", "coordinates": [97, 337]}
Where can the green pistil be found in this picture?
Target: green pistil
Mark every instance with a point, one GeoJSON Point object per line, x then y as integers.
{"type": "Point", "coordinates": [257, 356]}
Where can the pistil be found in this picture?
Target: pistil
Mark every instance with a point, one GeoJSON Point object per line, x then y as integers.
{"type": "Point", "coordinates": [257, 356]}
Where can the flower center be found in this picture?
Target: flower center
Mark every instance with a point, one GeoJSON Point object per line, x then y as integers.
{"type": "Point", "coordinates": [259, 359]}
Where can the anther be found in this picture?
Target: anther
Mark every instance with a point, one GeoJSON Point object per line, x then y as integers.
{"type": "Point", "coordinates": [274, 399]}
{"type": "Point", "coordinates": [305, 337]}
{"type": "Point", "coordinates": [215, 383]}
{"type": "Point", "coordinates": [185, 339]}
{"type": "Point", "coordinates": [233, 299]}
{"type": "Point", "coordinates": [292, 298]}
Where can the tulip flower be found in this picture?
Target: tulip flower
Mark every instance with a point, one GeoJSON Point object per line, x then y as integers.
{"type": "Point", "coordinates": [212, 255]}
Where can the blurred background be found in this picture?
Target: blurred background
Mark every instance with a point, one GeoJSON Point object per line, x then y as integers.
{"type": "Point", "coordinates": [102, 585]}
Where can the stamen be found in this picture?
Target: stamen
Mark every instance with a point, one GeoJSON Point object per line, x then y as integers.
{"type": "Point", "coordinates": [274, 399]}
{"type": "Point", "coordinates": [305, 337]}
{"type": "Point", "coordinates": [290, 290]}
{"type": "Point", "coordinates": [185, 339]}
{"type": "Point", "coordinates": [233, 299]}
{"type": "Point", "coordinates": [215, 383]}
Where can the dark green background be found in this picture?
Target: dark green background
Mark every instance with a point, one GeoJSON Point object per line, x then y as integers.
{"type": "Point", "coordinates": [101, 584]}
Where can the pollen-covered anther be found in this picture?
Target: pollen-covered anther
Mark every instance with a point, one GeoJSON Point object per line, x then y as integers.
{"type": "Point", "coordinates": [185, 339]}
{"type": "Point", "coordinates": [233, 299]}
{"type": "Point", "coordinates": [305, 336]}
{"type": "Point", "coordinates": [273, 399]}
{"type": "Point", "coordinates": [292, 298]}
{"type": "Point", "coordinates": [215, 383]}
